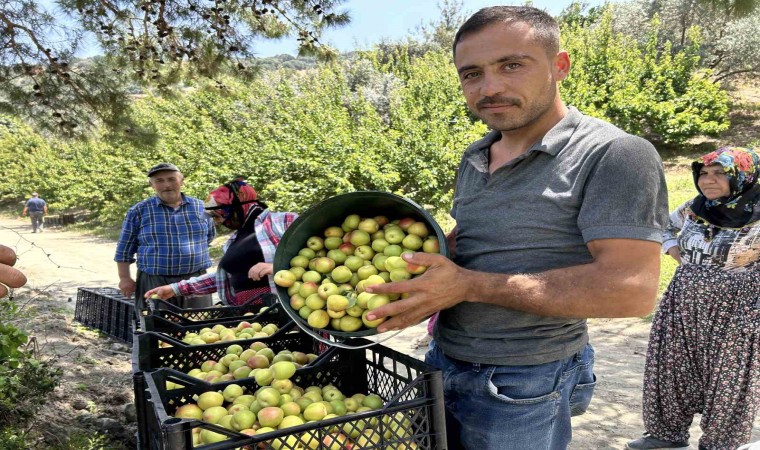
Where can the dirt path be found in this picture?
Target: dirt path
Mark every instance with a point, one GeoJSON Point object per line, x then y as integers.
{"type": "Point", "coordinates": [59, 261]}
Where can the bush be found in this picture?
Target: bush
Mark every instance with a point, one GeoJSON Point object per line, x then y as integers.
{"type": "Point", "coordinates": [645, 89]}
{"type": "Point", "coordinates": [25, 382]}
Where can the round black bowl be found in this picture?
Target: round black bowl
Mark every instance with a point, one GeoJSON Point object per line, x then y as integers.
{"type": "Point", "coordinates": [331, 212]}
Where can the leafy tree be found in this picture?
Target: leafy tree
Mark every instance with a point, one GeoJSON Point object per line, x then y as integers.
{"type": "Point", "coordinates": [645, 88]}
{"type": "Point", "coordinates": [727, 30]}
{"type": "Point", "coordinates": [154, 43]}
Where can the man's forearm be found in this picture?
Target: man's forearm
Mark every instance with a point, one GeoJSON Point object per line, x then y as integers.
{"type": "Point", "coordinates": [124, 271]}
{"type": "Point", "coordinates": [597, 289]}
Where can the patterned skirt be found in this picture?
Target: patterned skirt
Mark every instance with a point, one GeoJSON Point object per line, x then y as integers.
{"type": "Point", "coordinates": [704, 357]}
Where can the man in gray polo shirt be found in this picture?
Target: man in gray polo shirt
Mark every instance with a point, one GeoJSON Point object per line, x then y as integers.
{"type": "Point", "coordinates": [559, 218]}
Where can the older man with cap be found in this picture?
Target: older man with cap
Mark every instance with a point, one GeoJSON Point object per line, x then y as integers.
{"type": "Point", "coordinates": [170, 234]}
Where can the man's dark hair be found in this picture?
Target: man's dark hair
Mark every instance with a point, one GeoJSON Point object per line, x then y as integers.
{"type": "Point", "coordinates": [545, 28]}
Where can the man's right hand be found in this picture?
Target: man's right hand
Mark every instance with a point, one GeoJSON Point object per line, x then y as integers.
{"type": "Point", "coordinates": [163, 292]}
{"type": "Point", "coordinates": [127, 286]}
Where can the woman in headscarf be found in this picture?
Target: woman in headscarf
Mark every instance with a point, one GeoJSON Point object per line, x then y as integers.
{"type": "Point", "coordinates": [244, 271]}
{"type": "Point", "coordinates": [704, 345]}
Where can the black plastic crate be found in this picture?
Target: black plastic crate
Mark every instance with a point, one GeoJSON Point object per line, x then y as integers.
{"type": "Point", "coordinates": [148, 355]}
{"type": "Point", "coordinates": [212, 314]}
{"type": "Point", "coordinates": [107, 310]}
{"type": "Point", "coordinates": [407, 386]}
{"type": "Point", "coordinates": [172, 328]}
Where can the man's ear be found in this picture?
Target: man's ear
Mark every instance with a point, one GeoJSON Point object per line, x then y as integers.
{"type": "Point", "coordinates": [561, 65]}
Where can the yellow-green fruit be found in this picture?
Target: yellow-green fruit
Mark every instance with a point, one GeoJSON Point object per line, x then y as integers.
{"type": "Point", "coordinates": [337, 302]}
{"type": "Point", "coordinates": [286, 442]}
{"type": "Point", "coordinates": [335, 314]}
{"type": "Point", "coordinates": [209, 399]}
{"type": "Point", "coordinates": [400, 275]}
{"type": "Point", "coordinates": [373, 401]}
{"type": "Point", "coordinates": [355, 311]}
{"type": "Point", "coordinates": [377, 301]}
{"type": "Point", "coordinates": [368, 439]}
{"type": "Point", "coordinates": [318, 319]}
{"type": "Point", "coordinates": [268, 397]}
{"type": "Point", "coordinates": [290, 408]}
{"type": "Point", "coordinates": [214, 414]}
{"type": "Point", "coordinates": [271, 416]}
{"type": "Point", "coordinates": [211, 437]}
{"type": "Point", "coordinates": [283, 370]}
{"type": "Point", "coordinates": [189, 411]}
{"type": "Point", "coordinates": [350, 323]}
{"type": "Point", "coordinates": [226, 422]}
{"type": "Point", "coordinates": [243, 419]}
{"type": "Point", "coordinates": [371, 323]}
{"type": "Point", "coordinates": [232, 392]}
{"type": "Point", "coordinates": [363, 299]}
{"type": "Point", "coordinates": [291, 421]}
{"type": "Point", "coordinates": [315, 411]}
{"type": "Point", "coordinates": [339, 408]}
{"type": "Point", "coordinates": [244, 400]}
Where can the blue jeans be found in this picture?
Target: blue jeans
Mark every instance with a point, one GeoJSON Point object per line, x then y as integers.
{"type": "Point", "coordinates": [514, 407]}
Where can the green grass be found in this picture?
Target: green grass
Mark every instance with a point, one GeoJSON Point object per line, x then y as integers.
{"type": "Point", "coordinates": [680, 187]}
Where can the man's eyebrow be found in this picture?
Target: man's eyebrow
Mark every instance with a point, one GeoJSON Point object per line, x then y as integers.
{"type": "Point", "coordinates": [503, 59]}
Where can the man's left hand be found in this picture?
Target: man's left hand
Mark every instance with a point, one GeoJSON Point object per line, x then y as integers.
{"type": "Point", "coordinates": [444, 284]}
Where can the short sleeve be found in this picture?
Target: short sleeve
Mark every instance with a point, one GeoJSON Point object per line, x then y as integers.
{"type": "Point", "coordinates": [625, 195]}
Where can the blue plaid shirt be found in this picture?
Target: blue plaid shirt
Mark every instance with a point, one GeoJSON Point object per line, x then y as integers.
{"type": "Point", "coordinates": [166, 241]}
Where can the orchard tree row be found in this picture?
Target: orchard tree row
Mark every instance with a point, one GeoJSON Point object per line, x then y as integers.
{"type": "Point", "coordinates": [391, 119]}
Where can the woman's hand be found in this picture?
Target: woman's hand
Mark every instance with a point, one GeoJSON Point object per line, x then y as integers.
{"type": "Point", "coordinates": [163, 292]}
{"type": "Point", "coordinates": [675, 253]}
{"type": "Point", "coordinates": [260, 270]}
{"type": "Point", "coordinates": [8, 275]}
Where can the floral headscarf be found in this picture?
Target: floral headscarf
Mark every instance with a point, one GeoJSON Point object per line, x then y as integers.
{"type": "Point", "coordinates": [232, 202]}
{"type": "Point", "coordinates": [742, 168]}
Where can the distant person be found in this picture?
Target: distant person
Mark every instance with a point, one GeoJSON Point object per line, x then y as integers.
{"type": "Point", "coordinates": [244, 273]}
{"type": "Point", "coordinates": [9, 276]}
{"type": "Point", "coordinates": [170, 233]}
{"type": "Point", "coordinates": [704, 345]}
{"type": "Point", "coordinates": [37, 208]}
{"type": "Point", "coordinates": [559, 217]}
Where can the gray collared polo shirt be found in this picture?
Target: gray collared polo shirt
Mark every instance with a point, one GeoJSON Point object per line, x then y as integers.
{"type": "Point", "coordinates": [584, 180]}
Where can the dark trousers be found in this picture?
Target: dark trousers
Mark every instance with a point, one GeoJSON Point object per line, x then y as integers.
{"type": "Point", "coordinates": [37, 220]}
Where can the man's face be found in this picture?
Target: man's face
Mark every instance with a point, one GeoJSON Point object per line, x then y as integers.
{"type": "Point", "coordinates": [508, 79]}
{"type": "Point", "coordinates": [168, 186]}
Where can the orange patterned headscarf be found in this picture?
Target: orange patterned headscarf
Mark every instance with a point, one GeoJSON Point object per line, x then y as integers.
{"type": "Point", "coordinates": [231, 202]}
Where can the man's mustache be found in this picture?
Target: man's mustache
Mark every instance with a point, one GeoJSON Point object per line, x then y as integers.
{"type": "Point", "coordinates": [505, 101]}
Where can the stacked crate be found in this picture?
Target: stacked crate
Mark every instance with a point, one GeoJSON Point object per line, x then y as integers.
{"type": "Point", "coordinates": [107, 310]}
{"type": "Point", "coordinates": [412, 416]}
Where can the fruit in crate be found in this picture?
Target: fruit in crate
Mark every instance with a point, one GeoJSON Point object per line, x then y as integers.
{"type": "Point", "coordinates": [266, 410]}
{"type": "Point", "coordinates": [221, 333]}
{"type": "Point", "coordinates": [240, 363]}
{"type": "Point", "coordinates": [361, 251]}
